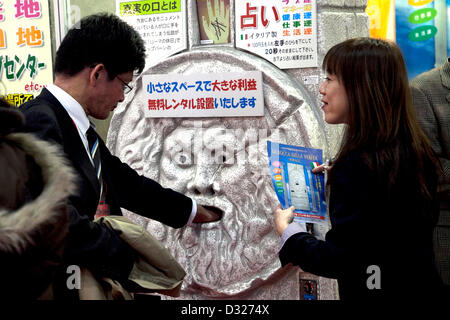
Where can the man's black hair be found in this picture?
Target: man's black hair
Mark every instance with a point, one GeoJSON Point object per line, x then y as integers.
{"type": "Point", "coordinates": [11, 119]}
{"type": "Point", "coordinates": [101, 38]}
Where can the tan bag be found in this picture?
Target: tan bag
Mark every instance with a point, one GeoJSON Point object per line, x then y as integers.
{"type": "Point", "coordinates": [154, 271]}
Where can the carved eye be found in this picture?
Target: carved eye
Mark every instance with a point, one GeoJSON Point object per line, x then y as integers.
{"type": "Point", "coordinates": [225, 158]}
{"type": "Point", "coordinates": [183, 159]}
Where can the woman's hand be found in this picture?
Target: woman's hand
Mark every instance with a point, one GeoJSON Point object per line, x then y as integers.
{"type": "Point", "coordinates": [321, 168]}
{"type": "Point", "coordinates": [283, 218]}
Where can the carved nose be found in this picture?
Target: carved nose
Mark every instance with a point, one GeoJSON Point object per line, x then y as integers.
{"type": "Point", "coordinates": [203, 182]}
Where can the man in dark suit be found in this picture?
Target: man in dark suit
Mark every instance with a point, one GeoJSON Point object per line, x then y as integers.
{"type": "Point", "coordinates": [93, 66]}
{"type": "Point", "coordinates": [431, 98]}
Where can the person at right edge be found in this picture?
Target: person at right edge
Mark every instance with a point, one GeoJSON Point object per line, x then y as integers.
{"type": "Point", "coordinates": [383, 183]}
{"type": "Point", "coordinates": [431, 98]}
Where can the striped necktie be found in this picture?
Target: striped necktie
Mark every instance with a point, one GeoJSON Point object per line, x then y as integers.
{"type": "Point", "coordinates": [94, 151]}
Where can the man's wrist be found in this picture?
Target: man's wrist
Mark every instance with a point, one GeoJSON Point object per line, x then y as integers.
{"type": "Point", "coordinates": [193, 212]}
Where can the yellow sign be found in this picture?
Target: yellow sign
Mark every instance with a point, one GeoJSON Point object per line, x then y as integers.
{"type": "Point", "coordinates": [419, 2]}
{"type": "Point", "coordinates": [380, 13]}
{"type": "Point", "coordinates": [25, 49]}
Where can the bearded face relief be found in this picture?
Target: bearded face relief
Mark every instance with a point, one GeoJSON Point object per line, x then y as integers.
{"type": "Point", "coordinates": [210, 163]}
{"type": "Point", "coordinates": [221, 163]}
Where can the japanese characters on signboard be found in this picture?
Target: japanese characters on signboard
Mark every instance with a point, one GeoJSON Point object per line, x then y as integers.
{"type": "Point", "coordinates": [204, 95]}
{"type": "Point", "coordinates": [283, 32]}
{"type": "Point", "coordinates": [161, 24]}
{"type": "Point", "coordinates": [25, 49]}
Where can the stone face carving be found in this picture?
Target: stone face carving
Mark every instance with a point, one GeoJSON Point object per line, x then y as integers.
{"type": "Point", "coordinates": [221, 163]}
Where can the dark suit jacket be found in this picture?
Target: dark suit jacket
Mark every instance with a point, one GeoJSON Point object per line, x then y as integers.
{"type": "Point", "coordinates": [372, 225]}
{"type": "Point", "coordinates": [90, 244]}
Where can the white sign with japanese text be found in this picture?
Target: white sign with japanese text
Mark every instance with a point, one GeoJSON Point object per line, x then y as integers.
{"type": "Point", "coordinates": [283, 32]}
{"type": "Point", "coordinates": [161, 24]}
{"type": "Point", "coordinates": [204, 95]}
{"type": "Point", "coordinates": [25, 49]}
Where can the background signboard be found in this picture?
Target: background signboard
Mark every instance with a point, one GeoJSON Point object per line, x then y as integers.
{"type": "Point", "coordinates": [25, 49]}
{"type": "Point", "coordinates": [161, 24]}
{"type": "Point", "coordinates": [282, 32]}
{"type": "Point", "coordinates": [422, 33]}
{"type": "Point", "coordinates": [226, 94]}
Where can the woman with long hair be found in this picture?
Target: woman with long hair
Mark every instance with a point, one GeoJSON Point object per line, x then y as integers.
{"type": "Point", "coordinates": [383, 182]}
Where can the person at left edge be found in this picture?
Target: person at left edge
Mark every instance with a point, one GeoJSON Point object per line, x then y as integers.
{"type": "Point", "coordinates": [93, 66]}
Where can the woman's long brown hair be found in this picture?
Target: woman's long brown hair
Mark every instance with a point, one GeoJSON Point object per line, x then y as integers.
{"type": "Point", "coordinates": [381, 115]}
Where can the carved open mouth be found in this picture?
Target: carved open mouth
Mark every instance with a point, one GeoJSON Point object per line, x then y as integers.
{"type": "Point", "coordinates": [214, 209]}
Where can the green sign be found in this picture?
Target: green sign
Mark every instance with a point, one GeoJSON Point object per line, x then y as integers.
{"type": "Point", "coordinates": [422, 15]}
{"type": "Point", "coordinates": [422, 33]}
{"type": "Point", "coordinates": [142, 8]}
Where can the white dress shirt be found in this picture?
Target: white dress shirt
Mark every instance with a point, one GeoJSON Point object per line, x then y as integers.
{"type": "Point", "coordinates": [75, 111]}
{"type": "Point", "coordinates": [81, 120]}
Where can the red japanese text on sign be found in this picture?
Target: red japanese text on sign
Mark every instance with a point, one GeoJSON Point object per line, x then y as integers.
{"type": "Point", "coordinates": [253, 17]}
{"type": "Point", "coordinates": [226, 94]}
{"type": "Point", "coordinates": [2, 17]}
{"type": "Point", "coordinates": [27, 9]}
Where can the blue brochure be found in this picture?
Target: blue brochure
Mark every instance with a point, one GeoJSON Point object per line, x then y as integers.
{"type": "Point", "coordinates": [294, 182]}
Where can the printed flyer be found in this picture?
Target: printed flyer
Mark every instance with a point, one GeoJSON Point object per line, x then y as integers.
{"type": "Point", "coordinates": [294, 182]}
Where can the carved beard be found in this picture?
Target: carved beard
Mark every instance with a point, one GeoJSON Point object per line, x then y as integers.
{"type": "Point", "coordinates": [231, 253]}
{"type": "Point", "coordinates": [221, 257]}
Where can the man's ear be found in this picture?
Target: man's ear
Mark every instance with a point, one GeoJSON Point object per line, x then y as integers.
{"type": "Point", "coordinates": [94, 73]}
